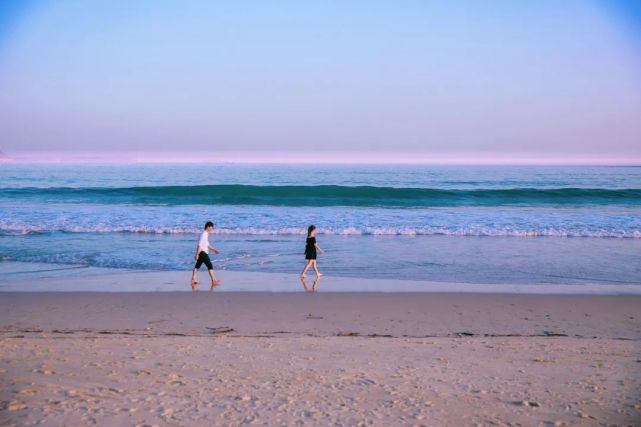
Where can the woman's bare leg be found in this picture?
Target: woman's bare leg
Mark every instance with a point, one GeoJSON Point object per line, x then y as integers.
{"type": "Point", "coordinates": [318, 273]}
{"type": "Point", "coordinates": [309, 264]}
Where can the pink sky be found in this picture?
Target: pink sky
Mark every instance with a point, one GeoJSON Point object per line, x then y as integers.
{"type": "Point", "coordinates": [327, 157]}
{"type": "Point", "coordinates": [529, 81]}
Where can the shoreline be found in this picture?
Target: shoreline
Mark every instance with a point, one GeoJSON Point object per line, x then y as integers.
{"type": "Point", "coordinates": [32, 277]}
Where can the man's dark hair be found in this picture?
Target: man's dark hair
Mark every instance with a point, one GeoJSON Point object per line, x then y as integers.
{"type": "Point", "coordinates": [208, 224]}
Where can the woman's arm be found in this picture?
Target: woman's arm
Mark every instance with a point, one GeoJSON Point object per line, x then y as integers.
{"type": "Point", "coordinates": [319, 248]}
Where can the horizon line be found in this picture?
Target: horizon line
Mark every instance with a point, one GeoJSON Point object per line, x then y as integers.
{"type": "Point", "coordinates": [278, 157]}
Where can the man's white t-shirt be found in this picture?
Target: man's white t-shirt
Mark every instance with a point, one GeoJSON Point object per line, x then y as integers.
{"type": "Point", "coordinates": [203, 244]}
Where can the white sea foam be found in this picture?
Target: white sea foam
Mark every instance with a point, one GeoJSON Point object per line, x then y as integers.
{"type": "Point", "coordinates": [498, 231]}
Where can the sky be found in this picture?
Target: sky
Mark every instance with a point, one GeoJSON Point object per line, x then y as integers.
{"type": "Point", "coordinates": [375, 81]}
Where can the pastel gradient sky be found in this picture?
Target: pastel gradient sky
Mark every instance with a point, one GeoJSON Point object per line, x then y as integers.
{"type": "Point", "coordinates": [451, 81]}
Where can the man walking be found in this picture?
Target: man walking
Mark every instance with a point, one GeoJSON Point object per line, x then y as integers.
{"type": "Point", "coordinates": [202, 256]}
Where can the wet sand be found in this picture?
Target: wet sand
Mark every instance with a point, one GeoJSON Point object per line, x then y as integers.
{"type": "Point", "coordinates": [232, 358]}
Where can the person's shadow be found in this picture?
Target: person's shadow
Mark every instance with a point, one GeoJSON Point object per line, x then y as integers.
{"type": "Point", "coordinates": [314, 287]}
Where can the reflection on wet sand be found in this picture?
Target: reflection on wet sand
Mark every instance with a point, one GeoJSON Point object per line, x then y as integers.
{"type": "Point", "coordinates": [314, 286]}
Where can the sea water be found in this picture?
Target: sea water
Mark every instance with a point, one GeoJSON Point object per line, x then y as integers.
{"type": "Point", "coordinates": [474, 224]}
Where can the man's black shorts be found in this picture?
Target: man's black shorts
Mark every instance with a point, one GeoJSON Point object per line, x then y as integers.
{"type": "Point", "coordinates": [203, 258]}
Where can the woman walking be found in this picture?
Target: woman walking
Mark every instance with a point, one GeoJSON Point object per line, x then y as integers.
{"type": "Point", "coordinates": [310, 251]}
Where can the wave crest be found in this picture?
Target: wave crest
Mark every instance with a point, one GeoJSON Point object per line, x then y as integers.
{"type": "Point", "coordinates": [348, 231]}
{"type": "Point", "coordinates": [326, 195]}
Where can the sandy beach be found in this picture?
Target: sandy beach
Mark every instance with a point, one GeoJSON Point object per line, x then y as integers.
{"type": "Point", "coordinates": [325, 358]}
{"type": "Point", "coordinates": [320, 213]}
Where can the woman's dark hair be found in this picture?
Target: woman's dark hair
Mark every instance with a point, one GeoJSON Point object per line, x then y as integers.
{"type": "Point", "coordinates": [208, 224]}
{"type": "Point", "coordinates": [310, 229]}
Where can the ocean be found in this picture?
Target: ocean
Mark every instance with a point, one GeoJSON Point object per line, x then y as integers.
{"type": "Point", "coordinates": [466, 224]}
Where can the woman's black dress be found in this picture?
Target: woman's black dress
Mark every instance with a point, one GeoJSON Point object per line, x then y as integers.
{"type": "Point", "coordinates": [310, 248]}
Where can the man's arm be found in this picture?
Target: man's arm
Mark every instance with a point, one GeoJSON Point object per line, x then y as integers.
{"type": "Point", "coordinates": [197, 252]}
{"type": "Point", "coordinates": [216, 251]}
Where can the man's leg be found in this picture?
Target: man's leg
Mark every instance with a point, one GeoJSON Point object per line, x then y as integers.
{"type": "Point", "coordinates": [214, 281]}
{"type": "Point", "coordinates": [194, 278]}
{"type": "Point", "coordinates": [210, 270]}
{"type": "Point", "coordinates": [194, 273]}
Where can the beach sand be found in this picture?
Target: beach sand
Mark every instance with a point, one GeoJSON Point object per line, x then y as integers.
{"type": "Point", "coordinates": [256, 358]}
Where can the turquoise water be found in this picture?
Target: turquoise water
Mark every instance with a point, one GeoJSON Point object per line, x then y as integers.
{"type": "Point", "coordinates": [486, 224]}
{"type": "Point", "coordinates": [325, 195]}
